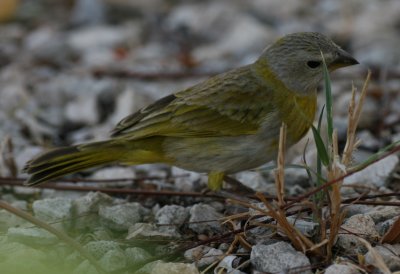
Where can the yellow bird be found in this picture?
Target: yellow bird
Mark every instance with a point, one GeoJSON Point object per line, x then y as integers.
{"type": "Point", "coordinates": [223, 125]}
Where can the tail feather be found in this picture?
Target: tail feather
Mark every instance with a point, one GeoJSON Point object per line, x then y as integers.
{"type": "Point", "coordinates": [62, 161]}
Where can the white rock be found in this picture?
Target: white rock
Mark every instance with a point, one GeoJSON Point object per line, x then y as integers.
{"type": "Point", "coordinates": [278, 257]}
{"type": "Point", "coordinates": [85, 209]}
{"type": "Point", "coordinates": [33, 235]}
{"type": "Point", "coordinates": [203, 255]}
{"type": "Point", "coordinates": [99, 248]}
{"type": "Point", "coordinates": [174, 268]}
{"type": "Point", "coordinates": [53, 209]}
{"type": "Point", "coordinates": [146, 230]}
{"type": "Point", "coordinates": [383, 213]}
{"type": "Point", "coordinates": [368, 140]}
{"type": "Point", "coordinates": [172, 215]}
{"type": "Point", "coordinates": [89, 12]}
{"type": "Point", "coordinates": [361, 226]}
{"type": "Point", "coordinates": [245, 34]}
{"type": "Point", "coordinates": [200, 213]}
{"type": "Point", "coordinates": [116, 172]}
{"type": "Point", "coordinates": [85, 267]}
{"type": "Point", "coordinates": [253, 180]}
{"type": "Point", "coordinates": [185, 180]}
{"type": "Point", "coordinates": [376, 174]}
{"type": "Point", "coordinates": [121, 217]}
{"type": "Point", "coordinates": [136, 255]}
{"type": "Point", "coordinates": [228, 265]}
{"type": "Point", "coordinates": [342, 269]}
{"type": "Point", "coordinates": [92, 37]}
{"type": "Point", "coordinates": [389, 253]}
{"type": "Point", "coordinates": [113, 260]}
{"type": "Point", "coordinates": [82, 110]}
{"type": "Point", "coordinates": [211, 19]}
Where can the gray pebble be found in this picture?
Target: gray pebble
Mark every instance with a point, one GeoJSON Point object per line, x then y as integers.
{"type": "Point", "coordinates": [172, 215]}
{"type": "Point", "coordinates": [99, 248]}
{"type": "Point", "coordinates": [354, 227]}
{"type": "Point", "coordinates": [53, 210]}
{"type": "Point", "coordinates": [136, 255]}
{"type": "Point", "coordinates": [389, 253]}
{"type": "Point", "coordinates": [121, 217]}
{"type": "Point", "coordinates": [278, 257]}
{"type": "Point", "coordinates": [146, 230]}
{"type": "Point", "coordinates": [203, 255]}
{"type": "Point", "coordinates": [342, 269]}
{"type": "Point", "coordinates": [33, 235]}
{"type": "Point", "coordinates": [113, 260]}
{"type": "Point", "coordinates": [174, 268]}
{"type": "Point", "coordinates": [204, 219]}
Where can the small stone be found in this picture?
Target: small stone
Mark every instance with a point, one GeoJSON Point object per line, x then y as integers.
{"type": "Point", "coordinates": [88, 12]}
{"type": "Point", "coordinates": [307, 228]}
{"type": "Point", "coordinates": [296, 177]}
{"type": "Point", "coordinates": [48, 44]}
{"type": "Point", "coordinates": [342, 269]}
{"type": "Point", "coordinates": [145, 230]}
{"type": "Point", "coordinates": [8, 220]}
{"type": "Point", "coordinates": [354, 209]}
{"type": "Point", "coordinates": [278, 257]}
{"type": "Point", "coordinates": [99, 248]}
{"type": "Point", "coordinates": [85, 208]}
{"type": "Point", "coordinates": [53, 209]}
{"type": "Point", "coordinates": [186, 180]}
{"type": "Point", "coordinates": [85, 267]}
{"type": "Point", "coordinates": [136, 255]}
{"type": "Point", "coordinates": [34, 236]}
{"type": "Point", "coordinates": [368, 140]}
{"type": "Point", "coordinates": [172, 215]}
{"type": "Point", "coordinates": [253, 180]}
{"type": "Point", "coordinates": [26, 192]}
{"type": "Point", "coordinates": [174, 268]}
{"type": "Point", "coordinates": [121, 217]}
{"type": "Point", "coordinates": [360, 225]}
{"type": "Point", "coordinates": [82, 110]}
{"type": "Point", "coordinates": [390, 255]}
{"type": "Point", "coordinates": [113, 260]}
{"type": "Point", "coordinates": [229, 265]}
{"type": "Point", "coordinates": [384, 226]}
{"type": "Point", "coordinates": [200, 213]}
{"type": "Point", "coordinates": [94, 37]}
{"type": "Point", "coordinates": [383, 213]}
{"type": "Point", "coordinates": [203, 255]}
{"type": "Point", "coordinates": [376, 174]}
{"type": "Point", "coordinates": [245, 32]}
{"type": "Point", "coordinates": [112, 173]}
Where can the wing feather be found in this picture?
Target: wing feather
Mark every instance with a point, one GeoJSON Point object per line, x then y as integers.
{"type": "Point", "coordinates": [230, 104]}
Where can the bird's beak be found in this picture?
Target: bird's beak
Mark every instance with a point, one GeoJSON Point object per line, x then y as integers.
{"type": "Point", "coordinates": [343, 59]}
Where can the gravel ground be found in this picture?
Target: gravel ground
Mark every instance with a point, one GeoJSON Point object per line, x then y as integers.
{"type": "Point", "coordinates": [70, 70]}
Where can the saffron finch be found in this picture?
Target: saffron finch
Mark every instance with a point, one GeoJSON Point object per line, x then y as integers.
{"type": "Point", "coordinates": [220, 126]}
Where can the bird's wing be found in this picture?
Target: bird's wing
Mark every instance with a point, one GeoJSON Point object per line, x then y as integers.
{"type": "Point", "coordinates": [230, 104]}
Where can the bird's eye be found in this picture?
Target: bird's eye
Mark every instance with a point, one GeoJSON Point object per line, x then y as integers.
{"type": "Point", "coordinates": [313, 64]}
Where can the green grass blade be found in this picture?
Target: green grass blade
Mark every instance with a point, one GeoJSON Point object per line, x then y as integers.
{"type": "Point", "coordinates": [328, 98]}
{"type": "Point", "coordinates": [321, 149]}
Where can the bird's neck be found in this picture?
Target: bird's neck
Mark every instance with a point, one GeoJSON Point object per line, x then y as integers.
{"type": "Point", "coordinates": [297, 110]}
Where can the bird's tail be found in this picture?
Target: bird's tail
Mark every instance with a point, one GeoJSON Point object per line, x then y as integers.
{"type": "Point", "coordinates": [62, 161]}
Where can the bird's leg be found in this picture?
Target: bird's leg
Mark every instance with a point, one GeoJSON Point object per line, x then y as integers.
{"type": "Point", "coordinates": [215, 179]}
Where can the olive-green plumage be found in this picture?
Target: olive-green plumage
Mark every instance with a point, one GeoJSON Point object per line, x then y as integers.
{"type": "Point", "coordinates": [223, 125]}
